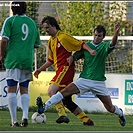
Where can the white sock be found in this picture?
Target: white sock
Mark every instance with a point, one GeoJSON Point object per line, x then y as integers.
{"type": "Point", "coordinates": [53, 100]}
{"type": "Point", "coordinates": [118, 111]}
{"type": "Point", "coordinates": [12, 105]}
{"type": "Point", "coordinates": [25, 100]}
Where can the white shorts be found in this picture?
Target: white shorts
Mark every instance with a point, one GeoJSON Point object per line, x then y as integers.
{"type": "Point", "coordinates": [96, 87]}
{"type": "Point", "coordinates": [19, 75]}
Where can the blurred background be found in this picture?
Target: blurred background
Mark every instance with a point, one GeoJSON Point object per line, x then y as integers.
{"type": "Point", "coordinates": [79, 19]}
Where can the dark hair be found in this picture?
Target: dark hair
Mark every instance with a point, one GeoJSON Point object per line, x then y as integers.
{"type": "Point", "coordinates": [18, 8]}
{"type": "Point", "coordinates": [99, 29]}
{"type": "Point", "coordinates": [52, 21]}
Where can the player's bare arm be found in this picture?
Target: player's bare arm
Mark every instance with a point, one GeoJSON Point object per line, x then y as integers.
{"type": "Point", "coordinates": [42, 68]}
{"type": "Point", "coordinates": [91, 51]}
{"type": "Point", "coordinates": [70, 60]}
{"type": "Point", "coordinates": [116, 32]}
{"type": "Point", "coordinates": [3, 45]}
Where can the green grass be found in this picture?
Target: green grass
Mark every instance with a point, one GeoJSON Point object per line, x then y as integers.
{"type": "Point", "coordinates": [103, 122]}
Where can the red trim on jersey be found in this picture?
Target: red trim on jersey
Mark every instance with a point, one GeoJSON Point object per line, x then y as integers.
{"type": "Point", "coordinates": [62, 55]}
{"type": "Point", "coordinates": [83, 44]}
{"type": "Point", "coordinates": [50, 60]}
{"type": "Point", "coordinates": [64, 76]}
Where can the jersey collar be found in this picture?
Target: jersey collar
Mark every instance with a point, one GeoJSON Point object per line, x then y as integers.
{"type": "Point", "coordinates": [96, 45]}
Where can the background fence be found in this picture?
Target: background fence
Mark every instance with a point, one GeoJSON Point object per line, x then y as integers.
{"type": "Point", "coordinates": [119, 61]}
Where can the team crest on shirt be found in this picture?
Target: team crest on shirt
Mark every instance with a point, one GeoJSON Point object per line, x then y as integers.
{"type": "Point", "coordinates": [58, 44]}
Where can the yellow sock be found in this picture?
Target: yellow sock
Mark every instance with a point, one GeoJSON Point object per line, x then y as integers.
{"type": "Point", "coordinates": [83, 117]}
{"type": "Point", "coordinates": [61, 110]}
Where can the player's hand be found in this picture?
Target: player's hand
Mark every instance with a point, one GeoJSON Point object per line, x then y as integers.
{"type": "Point", "coordinates": [93, 52]}
{"type": "Point", "coordinates": [70, 60]}
{"type": "Point", "coordinates": [117, 26]}
{"type": "Point", "coordinates": [36, 73]}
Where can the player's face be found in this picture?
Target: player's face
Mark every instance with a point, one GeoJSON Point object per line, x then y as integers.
{"type": "Point", "coordinates": [98, 37]}
{"type": "Point", "coordinates": [49, 29]}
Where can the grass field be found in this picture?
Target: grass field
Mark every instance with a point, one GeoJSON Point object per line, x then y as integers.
{"type": "Point", "coordinates": [103, 122]}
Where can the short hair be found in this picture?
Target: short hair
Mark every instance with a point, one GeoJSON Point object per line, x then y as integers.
{"type": "Point", "coordinates": [18, 8]}
{"type": "Point", "coordinates": [99, 29]}
{"type": "Point", "coordinates": [52, 21]}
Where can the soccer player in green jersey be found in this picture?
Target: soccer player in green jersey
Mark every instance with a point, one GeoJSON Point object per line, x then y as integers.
{"type": "Point", "coordinates": [19, 37]}
{"type": "Point", "coordinates": [92, 77]}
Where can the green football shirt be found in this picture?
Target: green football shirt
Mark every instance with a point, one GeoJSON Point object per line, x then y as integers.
{"type": "Point", "coordinates": [94, 66]}
{"type": "Point", "coordinates": [22, 34]}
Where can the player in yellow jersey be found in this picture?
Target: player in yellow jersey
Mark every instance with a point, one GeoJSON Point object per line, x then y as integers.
{"type": "Point", "coordinates": [60, 47]}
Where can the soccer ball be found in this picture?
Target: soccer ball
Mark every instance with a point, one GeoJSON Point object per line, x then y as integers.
{"type": "Point", "coordinates": [38, 118]}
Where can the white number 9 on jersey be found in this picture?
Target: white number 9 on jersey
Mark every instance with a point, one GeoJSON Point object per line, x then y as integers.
{"type": "Point", "coordinates": [25, 31]}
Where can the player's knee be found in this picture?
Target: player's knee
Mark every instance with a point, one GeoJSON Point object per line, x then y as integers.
{"type": "Point", "coordinates": [50, 93]}
{"type": "Point", "coordinates": [52, 90]}
{"type": "Point", "coordinates": [11, 82]}
{"type": "Point", "coordinates": [25, 83]}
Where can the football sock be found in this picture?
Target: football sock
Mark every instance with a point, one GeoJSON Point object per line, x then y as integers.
{"type": "Point", "coordinates": [83, 117]}
{"type": "Point", "coordinates": [60, 108]}
{"type": "Point", "coordinates": [56, 98]}
{"type": "Point", "coordinates": [117, 111]}
{"type": "Point", "coordinates": [25, 105]}
{"type": "Point", "coordinates": [12, 105]}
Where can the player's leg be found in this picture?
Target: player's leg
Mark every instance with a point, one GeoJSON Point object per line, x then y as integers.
{"type": "Point", "coordinates": [106, 100]}
{"type": "Point", "coordinates": [63, 77]}
{"type": "Point", "coordinates": [79, 86]}
{"type": "Point", "coordinates": [100, 90]}
{"type": "Point", "coordinates": [25, 78]}
{"type": "Point", "coordinates": [25, 101]}
{"type": "Point", "coordinates": [68, 91]}
{"type": "Point", "coordinates": [53, 89]}
{"type": "Point", "coordinates": [69, 104]}
{"type": "Point", "coordinates": [12, 101]}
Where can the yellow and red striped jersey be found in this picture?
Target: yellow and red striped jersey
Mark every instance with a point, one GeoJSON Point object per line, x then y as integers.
{"type": "Point", "coordinates": [61, 47]}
